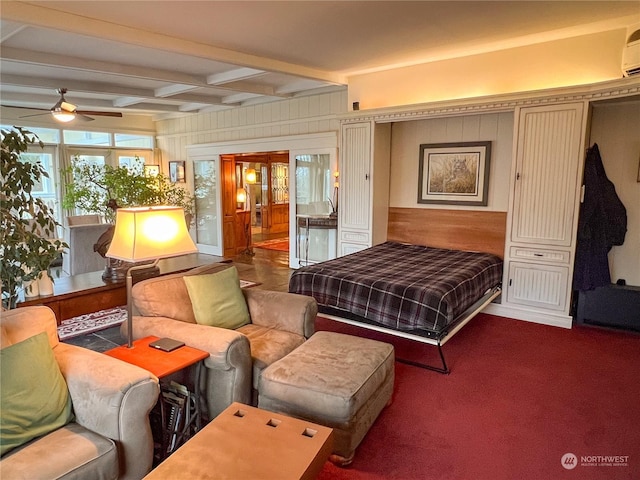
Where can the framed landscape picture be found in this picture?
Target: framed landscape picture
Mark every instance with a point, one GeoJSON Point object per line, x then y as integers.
{"type": "Point", "coordinates": [454, 173]}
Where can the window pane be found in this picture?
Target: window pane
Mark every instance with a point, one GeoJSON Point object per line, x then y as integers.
{"type": "Point", "coordinates": [75, 137]}
{"type": "Point", "coordinates": [137, 141]}
{"type": "Point", "coordinates": [131, 161]}
{"type": "Point", "coordinates": [88, 159]}
{"type": "Point", "coordinates": [46, 135]}
{"type": "Point", "coordinates": [45, 189]}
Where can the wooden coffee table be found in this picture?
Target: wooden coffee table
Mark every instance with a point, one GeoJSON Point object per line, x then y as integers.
{"type": "Point", "coordinates": [245, 442]}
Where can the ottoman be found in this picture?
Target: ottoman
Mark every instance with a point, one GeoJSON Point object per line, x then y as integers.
{"type": "Point", "coordinates": [336, 380]}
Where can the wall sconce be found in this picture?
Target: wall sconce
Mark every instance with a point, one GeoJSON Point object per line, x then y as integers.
{"type": "Point", "coordinates": [336, 184]}
{"type": "Point", "coordinates": [241, 195]}
{"type": "Point", "coordinates": [250, 176]}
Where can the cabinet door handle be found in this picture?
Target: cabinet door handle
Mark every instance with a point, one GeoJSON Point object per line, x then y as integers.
{"type": "Point", "coordinates": [518, 176]}
{"type": "Point", "coordinates": [366, 176]}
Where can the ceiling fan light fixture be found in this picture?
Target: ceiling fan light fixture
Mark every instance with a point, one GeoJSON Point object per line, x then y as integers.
{"type": "Point", "coordinates": [63, 115]}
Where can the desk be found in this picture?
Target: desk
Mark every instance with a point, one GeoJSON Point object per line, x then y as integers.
{"type": "Point", "coordinates": [169, 435]}
{"type": "Point", "coordinates": [323, 247]}
{"type": "Point", "coordinates": [88, 292]}
{"type": "Point", "coordinates": [245, 442]}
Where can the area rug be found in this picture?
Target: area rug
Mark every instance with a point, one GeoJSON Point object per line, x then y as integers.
{"type": "Point", "coordinates": [91, 322]}
{"type": "Point", "coordinates": [279, 244]}
{"type": "Point", "coordinates": [96, 321]}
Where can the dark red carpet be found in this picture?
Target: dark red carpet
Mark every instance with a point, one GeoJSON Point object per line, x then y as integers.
{"type": "Point", "coordinates": [519, 397]}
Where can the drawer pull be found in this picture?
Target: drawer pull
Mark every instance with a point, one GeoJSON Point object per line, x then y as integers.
{"type": "Point", "coordinates": [538, 255]}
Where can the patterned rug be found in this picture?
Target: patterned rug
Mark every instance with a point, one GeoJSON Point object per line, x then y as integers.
{"type": "Point", "coordinates": [91, 322]}
{"type": "Point", "coordinates": [96, 321]}
{"type": "Point", "coordinates": [279, 244]}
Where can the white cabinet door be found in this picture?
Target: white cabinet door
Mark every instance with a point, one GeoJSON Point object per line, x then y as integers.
{"type": "Point", "coordinates": [355, 174]}
{"type": "Point", "coordinates": [548, 156]}
{"type": "Point", "coordinates": [543, 286]}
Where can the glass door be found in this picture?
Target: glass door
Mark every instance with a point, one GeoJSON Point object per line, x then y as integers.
{"type": "Point", "coordinates": [208, 212]}
{"type": "Point", "coordinates": [314, 221]}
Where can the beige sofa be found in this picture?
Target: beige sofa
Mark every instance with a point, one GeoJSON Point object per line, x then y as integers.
{"type": "Point", "coordinates": [110, 436]}
{"type": "Point", "coordinates": [280, 322]}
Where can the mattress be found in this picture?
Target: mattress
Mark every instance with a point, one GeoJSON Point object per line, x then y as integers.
{"type": "Point", "coordinates": [401, 286]}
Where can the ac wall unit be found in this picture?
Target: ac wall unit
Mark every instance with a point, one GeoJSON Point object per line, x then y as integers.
{"type": "Point", "coordinates": [631, 55]}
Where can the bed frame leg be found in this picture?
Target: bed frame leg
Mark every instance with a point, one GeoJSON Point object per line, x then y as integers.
{"type": "Point", "coordinates": [444, 369]}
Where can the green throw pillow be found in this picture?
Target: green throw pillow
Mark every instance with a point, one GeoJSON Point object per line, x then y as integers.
{"type": "Point", "coordinates": [34, 396]}
{"type": "Point", "coordinates": [217, 299]}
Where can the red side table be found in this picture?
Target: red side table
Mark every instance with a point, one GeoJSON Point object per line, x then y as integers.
{"type": "Point", "coordinates": [162, 364]}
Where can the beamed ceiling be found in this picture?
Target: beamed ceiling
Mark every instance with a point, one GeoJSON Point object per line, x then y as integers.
{"type": "Point", "coordinates": [167, 58]}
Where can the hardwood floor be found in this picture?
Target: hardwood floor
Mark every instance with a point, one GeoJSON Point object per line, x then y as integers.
{"type": "Point", "coordinates": [268, 268]}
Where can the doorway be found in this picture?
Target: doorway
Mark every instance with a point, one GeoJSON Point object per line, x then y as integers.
{"type": "Point", "coordinates": [263, 182]}
{"type": "Point", "coordinates": [226, 152]}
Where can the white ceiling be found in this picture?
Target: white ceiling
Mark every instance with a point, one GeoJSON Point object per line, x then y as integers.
{"type": "Point", "coordinates": [165, 58]}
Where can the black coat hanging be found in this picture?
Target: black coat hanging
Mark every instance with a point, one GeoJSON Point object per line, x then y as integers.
{"type": "Point", "coordinates": [601, 225]}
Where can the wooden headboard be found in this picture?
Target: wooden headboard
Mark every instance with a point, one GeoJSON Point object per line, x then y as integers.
{"type": "Point", "coordinates": [455, 229]}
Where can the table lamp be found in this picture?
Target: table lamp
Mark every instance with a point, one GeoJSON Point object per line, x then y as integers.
{"type": "Point", "coordinates": [148, 233]}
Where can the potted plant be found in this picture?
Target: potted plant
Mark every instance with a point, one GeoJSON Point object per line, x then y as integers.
{"type": "Point", "coordinates": [102, 189]}
{"type": "Point", "coordinates": [28, 230]}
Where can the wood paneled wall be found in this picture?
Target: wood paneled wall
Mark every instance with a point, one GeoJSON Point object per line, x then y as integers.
{"type": "Point", "coordinates": [472, 230]}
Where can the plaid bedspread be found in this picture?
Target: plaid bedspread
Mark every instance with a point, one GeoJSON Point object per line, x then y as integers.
{"type": "Point", "coordinates": [403, 287]}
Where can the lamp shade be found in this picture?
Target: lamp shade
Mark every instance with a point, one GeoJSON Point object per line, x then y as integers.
{"type": "Point", "coordinates": [250, 176]}
{"type": "Point", "coordinates": [149, 233]}
{"type": "Point", "coordinates": [241, 195]}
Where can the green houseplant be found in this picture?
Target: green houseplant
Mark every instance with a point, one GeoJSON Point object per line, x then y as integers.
{"type": "Point", "coordinates": [27, 224]}
{"type": "Point", "coordinates": [102, 189]}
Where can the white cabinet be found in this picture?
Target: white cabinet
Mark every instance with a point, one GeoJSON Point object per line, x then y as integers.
{"type": "Point", "coordinates": [544, 205]}
{"type": "Point", "coordinates": [364, 185]}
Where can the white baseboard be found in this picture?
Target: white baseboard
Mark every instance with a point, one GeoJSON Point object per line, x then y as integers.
{"type": "Point", "coordinates": [562, 321]}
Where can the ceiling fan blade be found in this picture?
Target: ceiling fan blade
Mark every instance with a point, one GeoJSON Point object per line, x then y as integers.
{"type": "Point", "coordinates": [27, 108]}
{"type": "Point", "coordinates": [33, 115]}
{"type": "Point", "coordinates": [99, 114]}
{"type": "Point", "coordinates": [84, 118]}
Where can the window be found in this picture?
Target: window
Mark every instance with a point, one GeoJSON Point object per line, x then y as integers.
{"type": "Point", "coordinates": [133, 141]}
{"type": "Point", "coordinates": [130, 158]}
{"type": "Point", "coordinates": [78, 137]}
{"type": "Point", "coordinates": [45, 135]}
{"type": "Point", "coordinates": [46, 188]}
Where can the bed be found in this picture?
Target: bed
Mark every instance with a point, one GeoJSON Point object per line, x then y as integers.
{"type": "Point", "coordinates": [417, 292]}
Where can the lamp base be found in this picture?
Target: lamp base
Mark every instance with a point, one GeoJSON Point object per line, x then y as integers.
{"type": "Point", "coordinates": [116, 270]}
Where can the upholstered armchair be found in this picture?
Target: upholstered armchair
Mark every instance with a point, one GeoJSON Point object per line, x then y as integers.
{"type": "Point", "coordinates": [108, 435]}
{"type": "Point", "coordinates": [81, 233]}
{"type": "Point", "coordinates": [279, 322]}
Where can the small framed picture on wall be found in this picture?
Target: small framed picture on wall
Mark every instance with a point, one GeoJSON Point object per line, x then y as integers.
{"type": "Point", "coordinates": [177, 171]}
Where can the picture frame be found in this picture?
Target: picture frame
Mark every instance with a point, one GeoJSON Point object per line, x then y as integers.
{"type": "Point", "coordinates": [177, 171]}
{"type": "Point", "coordinates": [454, 173]}
{"type": "Point", "coordinates": [152, 170]}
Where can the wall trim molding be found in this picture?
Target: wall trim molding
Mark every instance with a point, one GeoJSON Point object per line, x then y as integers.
{"type": "Point", "coordinates": [265, 144]}
{"type": "Point", "coordinates": [499, 103]}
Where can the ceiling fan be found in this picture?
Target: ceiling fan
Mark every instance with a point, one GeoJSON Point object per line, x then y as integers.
{"type": "Point", "coordinates": [64, 111]}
